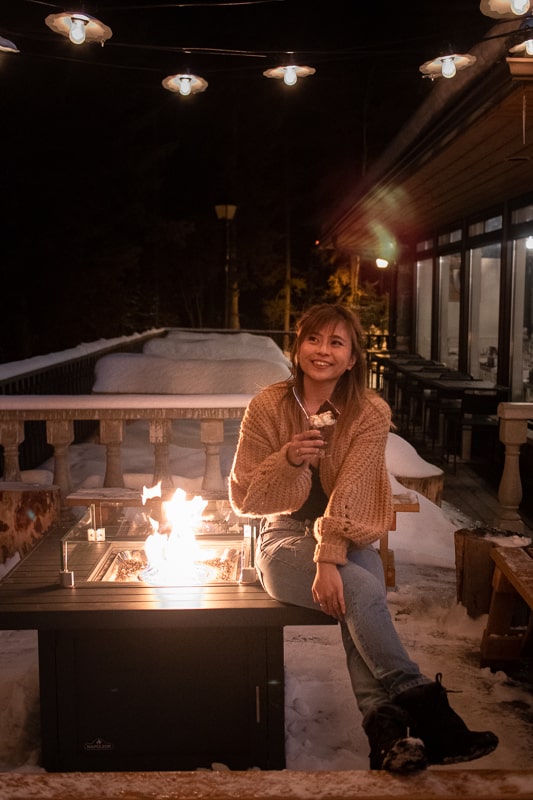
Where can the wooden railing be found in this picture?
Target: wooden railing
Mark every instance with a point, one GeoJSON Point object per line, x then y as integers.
{"type": "Point", "coordinates": [112, 413]}
{"type": "Point", "coordinates": [514, 418]}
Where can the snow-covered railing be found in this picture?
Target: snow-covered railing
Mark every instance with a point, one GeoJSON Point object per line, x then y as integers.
{"type": "Point", "coordinates": [514, 418]}
{"type": "Point", "coordinates": [112, 412]}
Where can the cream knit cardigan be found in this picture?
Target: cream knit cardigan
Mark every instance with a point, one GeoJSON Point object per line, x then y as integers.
{"type": "Point", "coordinates": [354, 477]}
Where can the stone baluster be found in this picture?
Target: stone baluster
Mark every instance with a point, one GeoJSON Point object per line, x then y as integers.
{"type": "Point", "coordinates": [11, 437]}
{"type": "Point", "coordinates": [212, 437]}
{"type": "Point", "coordinates": [60, 434]}
{"type": "Point", "coordinates": [112, 436]}
{"type": "Point", "coordinates": [513, 433]}
{"type": "Point", "coordinates": [160, 437]}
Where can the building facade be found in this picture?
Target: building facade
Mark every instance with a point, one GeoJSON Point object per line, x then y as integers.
{"type": "Point", "coordinates": [450, 206]}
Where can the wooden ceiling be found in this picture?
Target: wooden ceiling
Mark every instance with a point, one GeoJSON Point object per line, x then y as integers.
{"type": "Point", "coordinates": [465, 163]}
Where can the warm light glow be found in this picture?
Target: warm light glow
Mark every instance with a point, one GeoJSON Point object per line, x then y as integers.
{"type": "Point", "coordinates": [77, 28]}
{"type": "Point", "coordinates": [448, 67]}
{"type": "Point", "coordinates": [382, 263]}
{"type": "Point", "coordinates": [290, 77]}
{"type": "Point", "coordinates": [529, 243]}
{"type": "Point", "coordinates": [225, 211]}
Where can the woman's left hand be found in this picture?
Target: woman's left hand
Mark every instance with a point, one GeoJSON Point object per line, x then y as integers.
{"type": "Point", "coordinates": [328, 590]}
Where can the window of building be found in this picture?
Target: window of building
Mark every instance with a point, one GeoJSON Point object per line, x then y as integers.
{"type": "Point", "coordinates": [486, 225]}
{"type": "Point", "coordinates": [450, 237]}
{"type": "Point", "coordinates": [524, 214]}
{"type": "Point", "coordinates": [424, 291]}
{"type": "Point", "coordinates": [449, 304]}
{"type": "Point", "coordinates": [522, 322]}
{"type": "Point", "coordinates": [426, 244]}
{"type": "Point", "coordinates": [484, 311]}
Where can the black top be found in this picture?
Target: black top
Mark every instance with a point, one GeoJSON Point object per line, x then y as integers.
{"type": "Point", "coordinates": [316, 502]}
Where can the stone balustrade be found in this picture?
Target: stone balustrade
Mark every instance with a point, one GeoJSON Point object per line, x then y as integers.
{"type": "Point", "coordinates": [514, 419]}
{"type": "Point", "coordinates": [113, 412]}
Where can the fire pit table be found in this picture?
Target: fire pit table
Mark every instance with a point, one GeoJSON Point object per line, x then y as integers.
{"type": "Point", "coordinates": [140, 676]}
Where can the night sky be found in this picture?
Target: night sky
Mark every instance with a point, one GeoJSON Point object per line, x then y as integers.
{"type": "Point", "coordinates": [109, 181]}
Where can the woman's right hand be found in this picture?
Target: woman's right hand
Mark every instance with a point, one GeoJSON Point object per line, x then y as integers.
{"type": "Point", "coordinates": [305, 446]}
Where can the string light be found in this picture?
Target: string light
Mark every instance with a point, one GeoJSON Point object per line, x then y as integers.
{"type": "Point", "coordinates": [289, 73]}
{"type": "Point", "coordinates": [446, 66]}
{"type": "Point", "coordinates": [185, 83]}
{"type": "Point", "coordinates": [78, 27]}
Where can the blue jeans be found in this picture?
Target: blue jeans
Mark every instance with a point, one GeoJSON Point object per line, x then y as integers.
{"type": "Point", "coordinates": [378, 664]}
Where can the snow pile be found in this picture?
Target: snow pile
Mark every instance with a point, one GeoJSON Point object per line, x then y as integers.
{"type": "Point", "coordinates": [187, 363]}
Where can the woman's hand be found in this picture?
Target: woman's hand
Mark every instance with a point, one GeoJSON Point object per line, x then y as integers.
{"type": "Point", "coordinates": [305, 446]}
{"type": "Point", "coordinates": [328, 590]}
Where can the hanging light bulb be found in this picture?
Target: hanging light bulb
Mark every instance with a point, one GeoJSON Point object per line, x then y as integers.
{"type": "Point", "coordinates": [382, 263]}
{"type": "Point", "coordinates": [290, 76]}
{"type": "Point", "coordinates": [519, 7]}
{"type": "Point", "coordinates": [447, 65]}
{"type": "Point", "coordinates": [185, 83]}
{"type": "Point", "coordinates": [79, 28]}
{"type": "Point", "coordinates": [289, 73]}
{"type": "Point", "coordinates": [524, 38]}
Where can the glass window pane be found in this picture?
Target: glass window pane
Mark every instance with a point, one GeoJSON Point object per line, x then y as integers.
{"type": "Point", "coordinates": [494, 224]}
{"type": "Point", "coordinates": [484, 311]}
{"type": "Point", "coordinates": [424, 287]}
{"type": "Point", "coordinates": [522, 322]}
{"type": "Point", "coordinates": [524, 214]}
{"type": "Point", "coordinates": [449, 303]}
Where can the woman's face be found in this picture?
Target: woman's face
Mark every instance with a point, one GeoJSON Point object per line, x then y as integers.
{"type": "Point", "coordinates": [326, 354]}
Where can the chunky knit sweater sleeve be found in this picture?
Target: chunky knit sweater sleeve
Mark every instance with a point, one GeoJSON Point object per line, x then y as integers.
{"type": "Point", "coordinates": [354, 477]}
{"type": "Point", "coordinates": [262, 481]}
{"type": "Point", "coordinates": [359, 510]}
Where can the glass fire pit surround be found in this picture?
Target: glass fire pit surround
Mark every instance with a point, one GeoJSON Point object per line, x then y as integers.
{"type": "Point", "coordinates": [127, 544]}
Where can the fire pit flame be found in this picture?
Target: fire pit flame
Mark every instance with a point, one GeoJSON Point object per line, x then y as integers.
{"type": "Point", "coordinates": [171, 542]}
{"type": "Point", "coordinates": [174, 556]}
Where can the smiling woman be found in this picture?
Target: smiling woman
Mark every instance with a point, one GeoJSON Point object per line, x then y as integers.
{"type": "Point", "coordinates": [320, 519]}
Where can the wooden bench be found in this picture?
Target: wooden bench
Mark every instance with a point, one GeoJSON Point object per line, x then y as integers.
{"type": "Point", "coordinates": [508, 634]}
{"type": "Point", "coordinates": [401, 502]}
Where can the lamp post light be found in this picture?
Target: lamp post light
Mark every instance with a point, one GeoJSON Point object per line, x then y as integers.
{"type": "Point", "coordinates": [231, 310]}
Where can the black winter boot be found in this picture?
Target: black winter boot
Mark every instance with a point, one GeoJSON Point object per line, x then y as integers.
{"type": "Point", "coordinates": [445, 735]}
{"type": "Point", "coordinates": [391, 745]}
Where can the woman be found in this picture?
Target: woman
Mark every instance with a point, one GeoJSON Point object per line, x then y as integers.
{"type": "Point", "coordinates": [320, 515]}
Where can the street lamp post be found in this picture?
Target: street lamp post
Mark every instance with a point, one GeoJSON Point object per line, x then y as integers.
{"type": "Point", "coordinates": [227, 213]}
